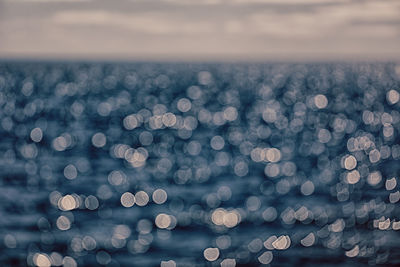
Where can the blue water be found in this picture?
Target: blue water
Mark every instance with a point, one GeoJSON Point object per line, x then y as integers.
{"type": "Point", "coordinates": [151, 164]}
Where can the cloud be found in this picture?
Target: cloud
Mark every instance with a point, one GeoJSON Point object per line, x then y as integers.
{"type": "Point", "coordinates": [194, 2]}
{"type": "Point", "coordinates": [46, 1]}
{"type": "Point", "coordinates": [247, 2]}
{"type": "Point", "coordinates": [288, 2]}
{"type": "Point", "coordinates": [150, 23]}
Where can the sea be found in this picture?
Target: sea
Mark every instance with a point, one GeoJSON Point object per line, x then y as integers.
{"type": "Point", "coordinates": [199, 164]}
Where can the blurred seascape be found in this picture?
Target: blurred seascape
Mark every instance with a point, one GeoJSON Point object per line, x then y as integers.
{"type": "Point", "coordinates": [178, 164]}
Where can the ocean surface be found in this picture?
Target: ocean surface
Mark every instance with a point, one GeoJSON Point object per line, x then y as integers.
{"type": "Point", "coordinates": [147, 164]}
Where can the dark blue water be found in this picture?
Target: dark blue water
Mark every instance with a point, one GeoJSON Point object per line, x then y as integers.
{"type": "Point", "coordinates": [199, 164]}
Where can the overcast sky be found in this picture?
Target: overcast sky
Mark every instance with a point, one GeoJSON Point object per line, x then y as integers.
{"type": "Point", "coordinates": [200, 29]}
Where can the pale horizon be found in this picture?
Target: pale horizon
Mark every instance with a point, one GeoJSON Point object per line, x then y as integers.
{"type": "Point", "coordinates": [212, 30]}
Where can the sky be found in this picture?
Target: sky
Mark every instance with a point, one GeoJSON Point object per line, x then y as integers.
{"type": "Point", "coordinates": [200, 29]}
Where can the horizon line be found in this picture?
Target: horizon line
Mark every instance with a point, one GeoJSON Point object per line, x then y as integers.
{"type": "Point", "coordinates": [204, 57]}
